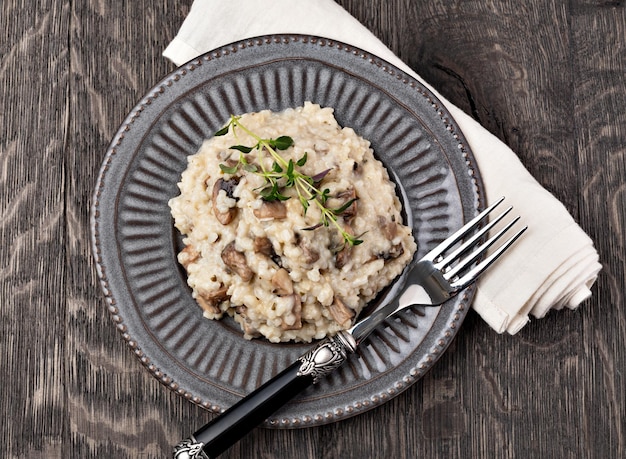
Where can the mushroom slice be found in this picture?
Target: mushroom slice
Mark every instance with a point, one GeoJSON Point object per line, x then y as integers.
{"type": "Point", "coordinates": [342, 257]}
{"type": "Point", "coordinates": [341, 313]}
{"type": "Point", "coordinates": [394, 252]}
{"type": "Point", "coordinates": [228, 186]}
{"type": "Point", "coordinates": [208, 307]}
{"type": "Point", "coordinates": [296, 310]}
{"type": "Point", "coordinates": [309, 255]}
{"type": "Point", "coordinates": [271, 210]}
{"type": "Point", "coordinates": [209, 301]}
{"type": "Point", "coordinates": [244, 322]}
{"type": "Point", "coordinates": [236, 261]}
{"type": "Point", "coordinates": [282, 282]}
{"type": "Point", "coordinates": [264, 246]}
{"type": "Point", "coordinates": [388, 228]}
{"type": "Point", "coordinates": [188, 255]}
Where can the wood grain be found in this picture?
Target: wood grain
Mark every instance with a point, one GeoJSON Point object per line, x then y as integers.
{"type": "Point", "coordinates": [32, 227]}
{"type": "Point", "coordinates": [546, 77]}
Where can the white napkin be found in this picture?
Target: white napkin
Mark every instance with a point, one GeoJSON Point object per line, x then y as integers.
{"type": "Point", "coordinates": [551, 267]}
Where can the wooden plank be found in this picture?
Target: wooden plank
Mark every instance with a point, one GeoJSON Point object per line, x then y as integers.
{"type": "Point", "coordinates": [598, 31]}
{"type": "Point", "coordinates": [116, 409]}
{"type": "Point", "coordinates": [33, 77]}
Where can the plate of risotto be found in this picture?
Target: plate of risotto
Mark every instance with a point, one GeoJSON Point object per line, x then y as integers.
{"type": "Point", "coordinates": [258, 199]}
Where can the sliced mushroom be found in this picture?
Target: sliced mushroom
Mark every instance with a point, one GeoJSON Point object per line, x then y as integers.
{"type": "Point", "coordinates": [228, 186]}
{"type": "Point", "coordinates": [208, 307]}
{"type": "Point", "coordinates": [236, 261]}
{"type": "Point", "coordinates": [245, 322]}
{"type": "Point", "coordinates": [264, 246]}
{"type": "Point", "coordinates": [309, 255]}
{"type": "Point", "coordinates": [296, 310]}
{"type": "Point", "coordinates": [188, 255]}
{"type": "Point", "coordinates": [341, 313]}
{"type": "Point", "coordinates": [271, 210]}
{"type": "Point", "coordinates": [217, 295]}
{"type": "Point", "coordinates": [210, 301]}
{"type": "Point", "coordinates": [342, 257]}
{"type": "Point", "coordinates": [282, 282]}
{"type": "Point", "coordinates": [394, 252]}
{"type": "Point", "coordinates": [388, 228]}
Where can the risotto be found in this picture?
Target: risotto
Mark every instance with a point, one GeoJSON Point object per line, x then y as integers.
{"type": "Point", "coordinates": [290, 224]}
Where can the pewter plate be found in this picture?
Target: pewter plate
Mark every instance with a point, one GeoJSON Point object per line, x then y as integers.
{"type": "Point", "coordinates": [135, 243]}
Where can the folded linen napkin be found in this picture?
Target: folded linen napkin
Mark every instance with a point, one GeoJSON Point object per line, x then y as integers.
{"type": "Point", "coordinates": [553, 266]}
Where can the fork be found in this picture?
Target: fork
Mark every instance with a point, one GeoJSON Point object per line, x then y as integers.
{"type": "Point", "coordinates": [441, 274]}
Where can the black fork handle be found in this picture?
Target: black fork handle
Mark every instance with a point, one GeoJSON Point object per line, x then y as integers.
{"type": "Point", "coordinates": [225, 430]}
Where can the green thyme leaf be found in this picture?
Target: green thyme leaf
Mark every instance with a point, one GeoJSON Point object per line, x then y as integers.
{"type": "Point", "coordinates": [228, 170]}
{"type": "Point", "coordinates": [354, 240]}
{"type": "Point", "coordinates": [290, 167]}
{"type": "Point", "coordinates": [324, 196]}
{"type": "Point", "coordinates": [222, 131]}
{"type": "Point", "coordinates": [241, 148]}
{"type": "Point", "coordinates": [343, 208]}
{"type": "Point", "coordinates": [268, 193]}
{"type": "Point", "coordinates": [305, 203]}
{"type": "Point", "coordinates": [302, 161]}
{"type": "Point", "coordinates": [283, 142]}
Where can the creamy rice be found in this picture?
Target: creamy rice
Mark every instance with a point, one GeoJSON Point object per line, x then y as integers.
{"type": "Point", "coordinates": [256, 262]}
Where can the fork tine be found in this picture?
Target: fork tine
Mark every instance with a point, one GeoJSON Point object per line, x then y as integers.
{"type": "Point", "coordinates": [473, 273]}
{"type": "Point", "coordinates": [479, 250]}
{"type": "Point", "coordinates": [471, 242]}
{"type": "Point", "coordinates": [461, 233]}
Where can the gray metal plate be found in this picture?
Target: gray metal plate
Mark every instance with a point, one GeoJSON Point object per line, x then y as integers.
{"type": "Point", "coordinates": [135, 243]}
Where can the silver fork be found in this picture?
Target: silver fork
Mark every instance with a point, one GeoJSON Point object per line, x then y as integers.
{"type": "Point", "coordinates": [444, 271]}
{"type": "Point", "coordinates": [438, 276]}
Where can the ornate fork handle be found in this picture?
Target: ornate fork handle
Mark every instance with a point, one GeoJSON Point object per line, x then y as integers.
{"type": "Point", "coordinates": [327, 356]}
{"type": "Point", "coordinates": [226, 429]}
{"type": "Point", "coordinates": [189, 449]}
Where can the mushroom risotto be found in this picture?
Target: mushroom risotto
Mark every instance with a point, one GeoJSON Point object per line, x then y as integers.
{"type": "Point", "coordinates": [290, 224]}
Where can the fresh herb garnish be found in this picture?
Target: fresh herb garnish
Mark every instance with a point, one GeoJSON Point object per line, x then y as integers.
{"type": "Point", "coordinates": [285, 174]}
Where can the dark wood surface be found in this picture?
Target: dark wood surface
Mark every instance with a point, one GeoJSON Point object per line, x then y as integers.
{"type": "Point", "coordinates": [547, 77]}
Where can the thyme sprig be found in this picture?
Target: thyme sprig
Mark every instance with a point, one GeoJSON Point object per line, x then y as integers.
{"type": "Point", "coordinates": [285, 173]}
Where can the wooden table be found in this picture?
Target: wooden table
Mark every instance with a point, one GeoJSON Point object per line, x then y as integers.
{"type": "Point", "coordinates": [547, 77]}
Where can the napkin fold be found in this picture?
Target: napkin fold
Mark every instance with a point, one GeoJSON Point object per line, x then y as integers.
{"type": "Point", "coordinates": [552, 267]}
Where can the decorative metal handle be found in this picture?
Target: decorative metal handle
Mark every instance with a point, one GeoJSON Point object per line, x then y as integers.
{"type": "Point", "coordinates": [189, 449]}
{"type": "Point", "coordinates": [226, 429]}
{"type": "Point", "coordinates": [327, 356]}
